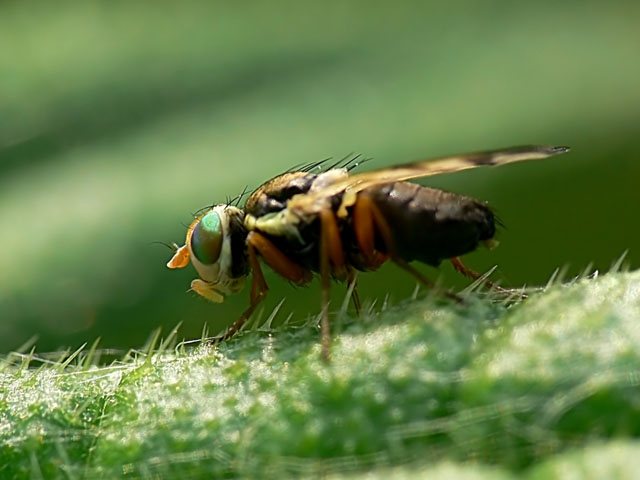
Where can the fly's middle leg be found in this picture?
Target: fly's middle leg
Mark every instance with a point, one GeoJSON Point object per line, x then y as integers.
{"type": "Point", "coordinates": [365, 232]}
{"type": "Point", "coordinates": [331, 261]}
{"type": "Point", "coordinates": [277, 260]}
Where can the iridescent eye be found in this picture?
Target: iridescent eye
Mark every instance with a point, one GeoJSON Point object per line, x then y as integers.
{"type": "Point", "coordinates": [206, 239]}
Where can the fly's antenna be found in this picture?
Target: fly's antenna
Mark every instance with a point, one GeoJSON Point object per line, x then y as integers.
{"type": "Point", "coordinates": [173, 247]}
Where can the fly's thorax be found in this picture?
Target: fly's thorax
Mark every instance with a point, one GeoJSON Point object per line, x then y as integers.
{"type": "Point", "coordinates": [284, 223]}
{"type": "Point", "coordinates": [272, 196]}
{"type": "Point", "coordinates": [321, 196]}
{"type": "Point", "coordinates": [268, 207]}
{"type": "Point", "coordinates": [216, 248]}
{"type": "Point", "coordinates": [328, 178]}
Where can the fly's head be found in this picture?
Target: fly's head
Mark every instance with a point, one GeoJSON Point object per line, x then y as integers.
{"type": "Point", "coordinates": [215, 245]}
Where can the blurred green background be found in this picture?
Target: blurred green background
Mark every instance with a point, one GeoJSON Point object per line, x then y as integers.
{"type": "Point", "coordinates": [118, 119]}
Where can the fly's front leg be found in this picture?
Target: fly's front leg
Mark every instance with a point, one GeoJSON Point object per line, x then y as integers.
{"type": "Point", "coordinates": [277, 260]}
{"type": "Point", "coordinates": [369, 220]}
{"type": "Point", "coordinates": [256, 295]}
{"type": "Point", "coordinates": [258, 243]}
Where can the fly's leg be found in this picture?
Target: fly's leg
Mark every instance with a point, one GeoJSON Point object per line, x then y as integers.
{"type": "Point", "coordinates": [331, 261]}
{"type": "Point", "coordinates": [352, 278]}
{"type": "Point", "coordinates": [364, 229]}
{"type": "Point", "coordinates": [277, 260]}
{"type": "Point", "coordinates": [258, 243]}
{"type": "Point", "coordinates": [368, 220]}
{"type": "Point", "coordinates": [258, 292]}
{"type": "Point", "coordinates": [468, 272]}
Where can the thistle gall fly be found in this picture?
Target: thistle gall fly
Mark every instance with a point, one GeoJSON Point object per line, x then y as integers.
{"type": "Point", "coordinates": [335, 223]}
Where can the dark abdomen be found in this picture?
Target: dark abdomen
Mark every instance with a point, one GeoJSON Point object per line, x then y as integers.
{"type": "Point", "coordinates": [431, 225]}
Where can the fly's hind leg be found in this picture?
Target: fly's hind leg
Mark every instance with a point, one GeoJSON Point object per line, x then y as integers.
{"type": "Point", "coordinates": [367, 221]}
{"type": "Point", "coordinates": [468, 272]}
{"type": "Point", "coordinates": [258, 243]}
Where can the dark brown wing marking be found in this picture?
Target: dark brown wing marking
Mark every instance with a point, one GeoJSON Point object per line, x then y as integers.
{"type": "Point", "coordinates": [312, 202]}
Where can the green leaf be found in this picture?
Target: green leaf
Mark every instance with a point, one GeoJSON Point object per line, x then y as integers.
{"type": "Point", "coordinates": [422, 383]}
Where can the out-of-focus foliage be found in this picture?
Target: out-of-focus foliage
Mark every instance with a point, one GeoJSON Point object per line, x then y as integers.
{"type": "Point", "coordinates": [118, 119]}
{"type": "Point", "coordinates": [422, 383]}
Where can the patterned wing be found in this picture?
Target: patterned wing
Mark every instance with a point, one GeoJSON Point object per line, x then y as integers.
{"type": "Point", "coordinates": [314, 201]}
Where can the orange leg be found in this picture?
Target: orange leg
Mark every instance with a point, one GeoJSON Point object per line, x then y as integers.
{"type": "Point", "coordinates": [363, 226]}
{"type": "Point", "coordinates": [331, 255]}
{"type": "Point", "coordinates": [258, 243]}
{"type": "Point", "coordinates": [463, 269]}
{"type": "Point", "coordinates": [331, 233]}
{"type": "Point", "coordinates": [366, 208]}
{"type": "Point", "coordinates": [258, 292]}
{"type": "Point", "coordinates": [277, 260]}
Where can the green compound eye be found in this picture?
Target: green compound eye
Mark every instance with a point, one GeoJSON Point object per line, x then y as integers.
{"type": "Point", "coordinates": [206, 239]}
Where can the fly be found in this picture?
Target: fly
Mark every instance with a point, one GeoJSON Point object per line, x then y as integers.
{"type": "Point", "coordinates": [335, 223]}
